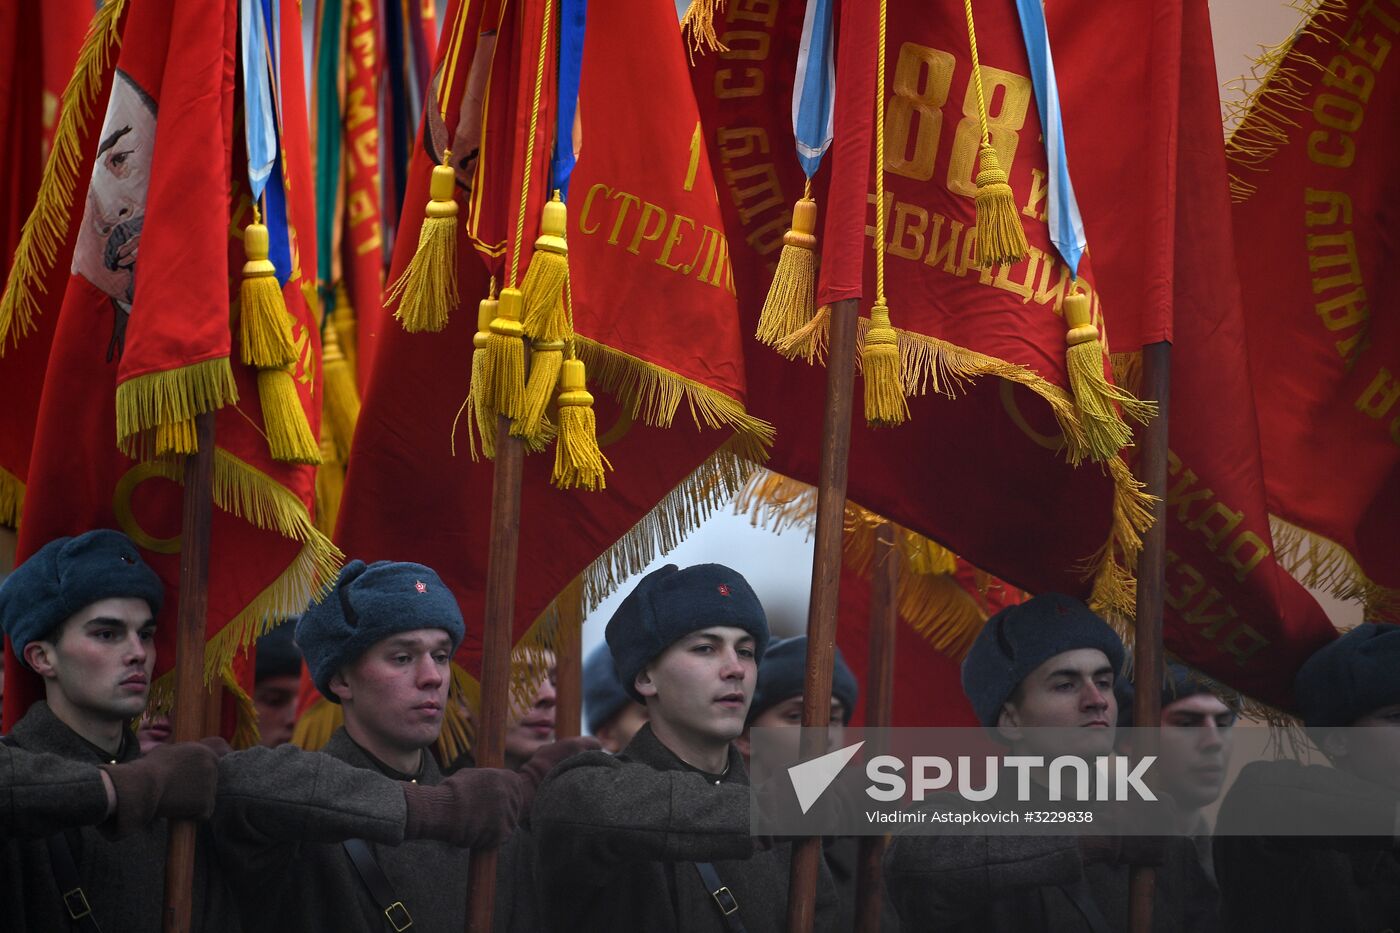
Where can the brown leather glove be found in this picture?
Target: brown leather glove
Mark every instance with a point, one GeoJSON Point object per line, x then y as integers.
{"type": "Point", "coordinates": [178, 781]}
{"type": "Point", "coordinates": [476, 807]}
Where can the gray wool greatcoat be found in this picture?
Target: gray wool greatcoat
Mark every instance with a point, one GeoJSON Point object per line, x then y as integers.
{"type": "Point", "coordinates": [615, 838]}
{"type": "Point", "coordinates": [309, 883]}
{"type": "Point", "coordinates": [40, 793]}
{"type": "Point", "coordinates": [269, 800]}
{"type": "Point", "coordinates": [1284, 884]}
{"type": "Point", "coordinates": [124, 879]}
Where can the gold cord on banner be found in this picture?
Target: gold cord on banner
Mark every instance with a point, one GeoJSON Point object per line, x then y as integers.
{"type": "Point", "coordinates": [1000, 238]}
{"type": "Point", "coordinates": [885, 404]}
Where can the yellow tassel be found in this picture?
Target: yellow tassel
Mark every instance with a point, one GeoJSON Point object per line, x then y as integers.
{"type": "Point", "coordinates": [577, 459]}
{"type": "Point", "coordinates": [791, 301]}
{"type": "Point", "coordinates": [546, 361]}
{"type": "Point", "coordinates": [546, 317]}
{"type": "Point", "coordinates": [503, 369]}
{"type": "Point", "coordinates": [427, 289]}
{"type": "Point", "coordinates": [342, 400]}
{"type": "Point", "coordinates": [1000, 237]}
{"type": "Point", "coordinates": [264, 326]}
{"type": "Point", "coordinates": [885, 405]}
{"type": "Point", "coordinates": [346, 327]}
{"type": "Point", "coordinates": [288, 434]}
{"type": "Point", "coordinates": [1095, 396]}
{"type": "Point", "coordinates": [330, 481]}
{"type": "Point", "coordinates": [483, 414]}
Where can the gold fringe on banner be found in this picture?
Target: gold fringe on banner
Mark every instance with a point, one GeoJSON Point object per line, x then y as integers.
{"type": "Point", "coordinates": [144, 403]}
{"type": "Point", "coordinates": [11, 499]}
{"type": "Point", "coordinates": [46, 228]}
{"type": "Point", "coordinates": [1323, 564]}
{"type": "Point", "coordinates": [698, 27]}
{"type": "Point", "coordinates": [1270, 99]}
{"type": "Point", "coordinates": [654, 394]}
{"type": "Point", "coordinates": [709, 488]}
{"type": "Point", "coordinates": [246, 492]}
{"type": "Point", "coordinates": [929, 599]}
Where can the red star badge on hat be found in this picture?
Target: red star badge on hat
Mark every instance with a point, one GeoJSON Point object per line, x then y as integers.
{"type": "Point", "coordinates": [723, 589]}
{"type": "Point", "coordinates": [420, 586]}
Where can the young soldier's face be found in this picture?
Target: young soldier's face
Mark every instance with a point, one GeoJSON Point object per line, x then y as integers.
{"type": "Point", "coordinates": [532, 724]}
{"type": "Point", "coordinates": [617, 732]}
{"type": "Point", "coordinates": [396, 691]}
{"type": "Point", "coordinates": [702, 685]}
{"type": "Point", "coordinates": [100, 659]}
{"type": "Point", "coordinates": [276, 702]}
{"type": "Point", "coordinates": [1372, 754]}
{"type": "Point", "coordinates": [1194, 749]}
{"type": "Point", "coordinates": [1071, 693]}
{"type": "Point", "coordinates": [789, 713]}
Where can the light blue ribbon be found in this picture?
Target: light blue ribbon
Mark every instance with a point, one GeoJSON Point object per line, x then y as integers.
{"type": "Point", "coordinates": [1066, 224]}
{"type": "Point", "coordinates": [814, 87]}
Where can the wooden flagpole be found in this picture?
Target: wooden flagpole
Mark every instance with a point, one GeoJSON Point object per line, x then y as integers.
{"type": "Point", "coordinates": [490, 746]}
{"type": "Point", "coordinates": [1151, 574]}
{"type": "Point", "coordinates": [190, 691]}
{"type": "Point", "coordinates": [826, 583]}
{"type": "Point", "coordinates": [879, 704]}
{"type": "Point", "coordinates": [568, 689]}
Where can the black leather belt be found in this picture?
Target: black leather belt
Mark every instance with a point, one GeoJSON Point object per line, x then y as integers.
{"type": "Point", "coordinates": [380, 890]}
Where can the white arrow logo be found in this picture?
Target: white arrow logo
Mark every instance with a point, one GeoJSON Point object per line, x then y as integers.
{"type": "Point", "coordinates": [811, 778]}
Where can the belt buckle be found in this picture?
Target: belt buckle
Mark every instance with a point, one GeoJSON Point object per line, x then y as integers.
{"type": "Point", "coordinates": [76, 903]}
{"type": "Point", "coordinates": [394, 912]}
{"type": "Point", "coordinates": [725, 899]}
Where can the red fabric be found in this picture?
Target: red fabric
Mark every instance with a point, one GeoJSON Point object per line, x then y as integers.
{"type": "Point", "coordinates": [970, 473]}
{"type": "Point", "coordinates": [1249, 624]}
{"type": "Point", "coordinates": [1317, 249]}
{"type": "Point", "coordinates": [407, 496]}
{"type": "Point", "coordinates": [361, 236]}
{"type": "Point", "coordinates": [78, 479]}
{"type": "Point", "coordinates": [38, 48]}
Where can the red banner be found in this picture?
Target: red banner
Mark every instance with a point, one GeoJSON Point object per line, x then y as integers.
{"type": "Point", "coordinates": [1315, 243]}
{"type": "Point", "coordinates": [39, 46]}
{"type": "Point", "coordinates": [644, 234]}
{"type": "Point", "coordinates": [984, 474]}
{"type": "Point", "coordinates": [172, 105]}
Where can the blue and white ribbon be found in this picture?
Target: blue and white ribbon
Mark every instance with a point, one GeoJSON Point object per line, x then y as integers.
{"type": "Point", "coordinates": [260, 120]}
{"type": "Point", "coordinates": [814, 87]}
{"type": "Point", "coordinates": [1066, 224]}
{"type": "Point", "coordinates": [572, 17]}
{"type": "Point", "coordinates": [261, 46]}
